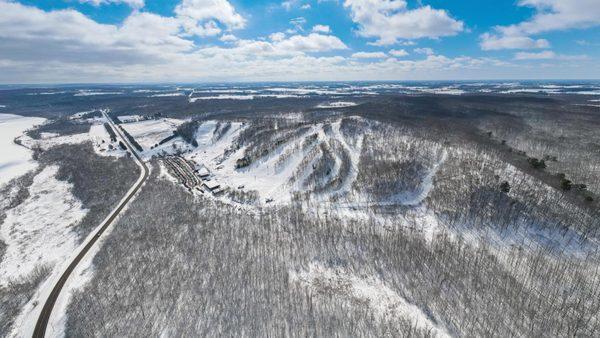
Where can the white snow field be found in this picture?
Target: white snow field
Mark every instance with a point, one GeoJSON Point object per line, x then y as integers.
{"type": "Point", "coordinates": [286, 170]}
{"type": "Point", "coordinates": [148, 133]}
{"type": "Point", "coordinates": [97, 135]}
{"type": "Point", "coordinates": [336, 104]}
{"type": "Point", "coordinates": [15, 160]}
{"type": "Point", "coordinates": [271, 176]}
{"type": "Point", "coordinates": [38, 231]}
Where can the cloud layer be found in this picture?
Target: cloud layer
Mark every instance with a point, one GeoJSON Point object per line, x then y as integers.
{"type": "Point", "coordinates": [204, 40]}
{"type": "Point", "coordinates": [391, 20]}
{"type": "Point", "coordinates": [550, 15]}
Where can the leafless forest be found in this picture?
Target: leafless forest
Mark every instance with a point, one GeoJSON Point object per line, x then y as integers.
{"type": "Point", "coordinates": [99, 182]}
{"type": "Point", "coordinates": [196, 267]}
{"type": "Point", "coordinates": [395, 229]}
{"type": "Point", "coordinates": [400, 215]}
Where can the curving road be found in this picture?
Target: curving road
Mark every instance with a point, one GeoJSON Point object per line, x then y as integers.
{"type": "Point", "coordinates": [43, 319]}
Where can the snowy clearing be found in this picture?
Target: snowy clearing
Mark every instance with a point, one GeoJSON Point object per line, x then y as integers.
{"type": "Point", "coordinates": [337, 104]}
{"type": "Point", "coordinates": [38, 231]}
{"type": "Point", "coordinates": [370, 291]}
{"type": "Point", "coordinates": [97, 135]}
{"type": "Point", "coordinates": [168, 94]}
{"type": "Point", "coordinates": [131, 118]}
{"type": "Point", "coordinates": [15, 160]}
{"type": "Point", "coordinates": [95, 93]}
{"type": "Point", "coordinates": [150, 132]}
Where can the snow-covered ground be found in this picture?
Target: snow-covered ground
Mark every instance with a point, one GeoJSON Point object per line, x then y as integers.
{"type": "Point", "coordinates": [336, 104]}
{"type": "Point", "coordinates": [150, 132]}
{"type": "Point", "coordinates": [15, 160]}
{"type": "Point", "coordinates": [54, 243]}
{"type": "Point", "coordinates": [95, 93]}
{"type": "Point", "coordinates": [270, 176]}
{"type": "Point", "coordinates": [130, 118]}
{"type": "Point", "coordinates": [242, 97]}
{"type": "Point", "coordinates": [168, 94]}
{"type": "Point", "coordinates": [97, 135]}
{"type": "Point", "coordinates": [38, 231]}
{"type": "Point", "coordinates": [370, 291]}
{"type": "Point", "coordinates": [221, 97]}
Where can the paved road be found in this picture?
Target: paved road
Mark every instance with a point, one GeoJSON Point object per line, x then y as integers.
{"type": "Point", "coordinates": [42, 322]}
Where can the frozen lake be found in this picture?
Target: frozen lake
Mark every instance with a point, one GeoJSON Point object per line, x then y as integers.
{"type": "Point", "coordinates": [15, 160]}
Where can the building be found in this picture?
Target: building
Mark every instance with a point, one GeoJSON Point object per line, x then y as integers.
{"type": "Point", "coordinates": [212, 185]}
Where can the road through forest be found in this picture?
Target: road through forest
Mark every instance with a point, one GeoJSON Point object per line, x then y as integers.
{"type": "Point", "coordinates": [43, 319]}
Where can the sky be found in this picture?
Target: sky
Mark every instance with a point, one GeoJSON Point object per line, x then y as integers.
{"type": "Point", "coordinates": [166, 41]}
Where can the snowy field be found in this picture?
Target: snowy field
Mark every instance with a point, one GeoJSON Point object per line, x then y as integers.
{"type": "Point", "coordinates": [384, 302]}
{"type": "Point", "coordinates": [150, 132]}
{"type": "Point", "coordinates": [336, 104]}
{"type": "Point", "coordinates": [37, 232]}
{"type": "Point", "coordinates": [97, 135]}
{"type": "Point", "coordinates": [270, 177]}
{"type": "Point", "coordinates": [15, 160]}
{"type": "Point", "coordinates": [288, 169]}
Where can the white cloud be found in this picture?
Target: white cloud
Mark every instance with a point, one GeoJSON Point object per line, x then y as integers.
{"type": "Point", "coordinates": [311, 43]}
{"type": "Point", "coordinates": [279, 36]}
{"type": "Point", "coordinates": [298, 23]}
{"type": "Point", "coordinates": [66, 46]}
{"type": "Point", "coordinates": [426, 51]}
{"type": "Point", "coordinates": [398, 52]}
{"type": "Point", "coordinates": [369, 55]}
{"type": "Point", "coordinates": [391, 20]}
{"type": "Point", "coordinates": [200, 17]}
{"type": "Point", "coordinates": [548, 55]}
{"type": "Point", "coordinates": [587, 43]}
{"type": "Point", "coordinates": [550, 15]}
{"type": "Point", "coordinates": [544, 55]}
{"type": "Point", "coordinates": [496, 42]}
{"type": "Point", "coordinates": [288, 5]}
{"type": "Point", "coordinates": [28, 34]}
{"type": "Point", "coordinates": [228, 38]}
{"type": "Point", "coordinates": [321, 29]}
{"type": "Point", "coordinates": [132, 3]}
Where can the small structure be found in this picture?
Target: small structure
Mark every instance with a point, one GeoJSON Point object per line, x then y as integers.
{"type": "Point", "coordinates": [211, 185]}
{"type": "Point", "coordinates": [203, 172]}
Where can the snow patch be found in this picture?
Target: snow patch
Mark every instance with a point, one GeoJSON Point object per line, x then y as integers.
{"type": "Point", "coordinates": [150, 132]}
{"type": "Point", "coordinates": [38, 231]}
{"type": "Point", "coordinates": [222, 97]}
{"type": "Point", "coordinates": [337, 104]}
{"type": "Point", "coordinates": [168, 94]}
{"type": "Point", "coordinates": [130, 118]}
{"type": "Point", "coordinates": [384, 302]}
{"type": "Point", "coordinates": [95, 93]}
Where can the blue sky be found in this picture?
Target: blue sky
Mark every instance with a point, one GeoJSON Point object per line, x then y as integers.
{"type": "Point", "coordinates": [58, 41]}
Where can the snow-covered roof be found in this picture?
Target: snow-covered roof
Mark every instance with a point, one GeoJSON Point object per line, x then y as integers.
{"type": "Point", "coordinates": [211, 184]}
{"type": "Point", "coordinates": [203, 172]}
